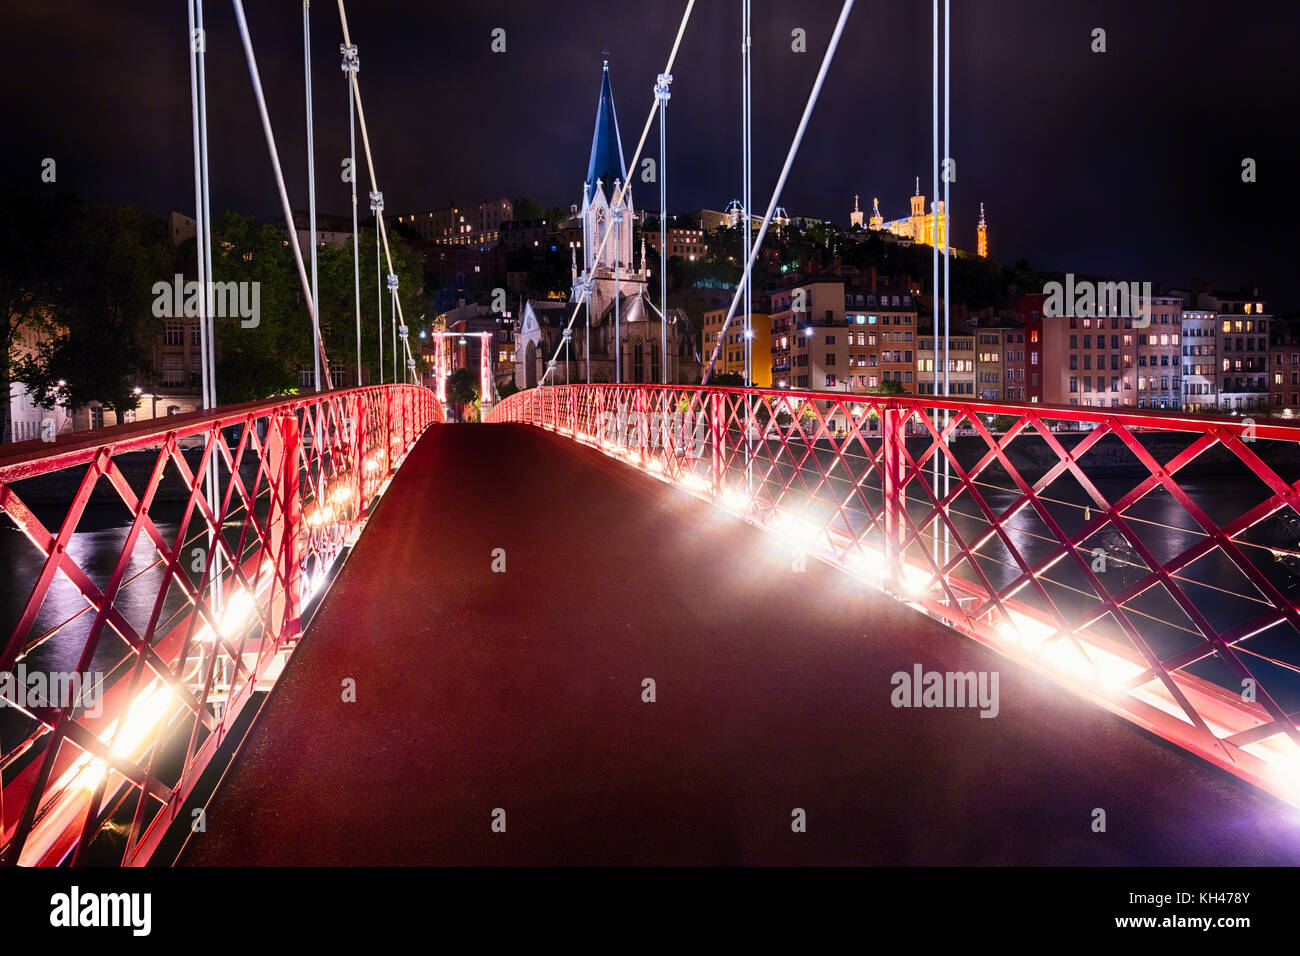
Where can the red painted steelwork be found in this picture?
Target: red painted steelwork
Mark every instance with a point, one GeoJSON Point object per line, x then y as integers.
{"type": "Point", "coordinates": [1168, 601]}
{"type": "Point", "coordinates": [295, 480]}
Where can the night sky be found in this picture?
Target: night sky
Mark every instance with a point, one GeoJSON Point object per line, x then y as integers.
{"type": "Point", "coordinates": [1127, 162]}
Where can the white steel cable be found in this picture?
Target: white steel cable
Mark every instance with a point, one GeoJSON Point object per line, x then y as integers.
{"type": "Point", "coordinates": [780, 185]}
{"type": "Point", "coordinates": [374, 185]}
{"type": "Point", "coordinates": [279, 175]}
{"type": "Point", "coordinates": [619, 196]}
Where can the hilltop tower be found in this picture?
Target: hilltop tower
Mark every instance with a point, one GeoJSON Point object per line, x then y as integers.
{"type": "Point", "coordinates": [877, 221]}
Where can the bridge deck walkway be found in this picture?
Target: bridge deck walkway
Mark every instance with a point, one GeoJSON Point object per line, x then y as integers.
{"type": "Point", "coordinates": [522, 690]}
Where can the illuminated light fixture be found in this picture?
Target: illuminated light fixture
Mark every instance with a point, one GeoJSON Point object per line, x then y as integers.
{"type": "Point", "coordinates": [735, 500]}
{"type": "Point", "coordinates": [145, 713]}
{"type": "Point", "coordinates": [797, 531]}
{"type": "Point", "coordinates": [808, 331]}
{"type": "Point", "coordinates": [656, 465]}
{"type": "Point", "coordinates": [462, 341]}
{"type": "Point", "coordinates": [915, 582]}
{"type": "Point", "coordinates": [867, 563]}
{"type": "Point", "coordinates": [236, 613]}
{"type": "Point", "coordinates": [694, 483]}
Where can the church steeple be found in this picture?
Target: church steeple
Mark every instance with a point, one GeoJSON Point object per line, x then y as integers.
{"type": "Point", "coordinates": [982, 236]}
{"type": "Point", "coordinates": [607, 224]}
{"type": "Point", "coordinates": [606, 163]}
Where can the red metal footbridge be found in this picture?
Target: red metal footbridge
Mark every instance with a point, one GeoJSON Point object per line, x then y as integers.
{"type": "Point", "coordinates": [485, 604]}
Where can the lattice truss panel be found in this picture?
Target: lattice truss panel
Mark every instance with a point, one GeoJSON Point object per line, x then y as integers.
{"type": "Point", "coordinates": [158, 572]}
{"type": "Point", "coordinates": [1150, 562]}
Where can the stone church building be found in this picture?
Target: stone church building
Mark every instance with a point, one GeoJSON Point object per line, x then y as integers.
{"type": "Point", "coordinates": [618, 310]}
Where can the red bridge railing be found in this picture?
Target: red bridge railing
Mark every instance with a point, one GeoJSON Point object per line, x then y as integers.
{"type": "Point", "coordinates": [135, 637]}
{"type": "Point", "coordinates": [1147, 561]}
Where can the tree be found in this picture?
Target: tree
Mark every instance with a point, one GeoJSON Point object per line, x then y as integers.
{"type": "Point", "coordinates": [97, 320]}
{"type": "Point", "coordinates": [525, 209]}
{"type": "Point", "coordinates": [887, 387]}
{"type": "Point", "coordinates": [727, 380]}
{"type": "Point", "coordinates": [462, 390]}
{"type": "Point", "coordinates": [265, 360]}
{"type": "Point", "coordinates": [28, 269]}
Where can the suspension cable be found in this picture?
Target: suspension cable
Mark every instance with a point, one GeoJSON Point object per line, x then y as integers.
{"type": "Point", "coordinates": [279, 177]}
{"type": "Point", "coordinates": [374, 185]}
{"type": "Point", "coordinates": [622, 192]}
{"type": "Point", "coordinates": [780, 185]}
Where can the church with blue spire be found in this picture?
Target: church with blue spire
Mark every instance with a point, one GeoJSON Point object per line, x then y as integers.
{"type": "Point", "coordinates": [607, 215]}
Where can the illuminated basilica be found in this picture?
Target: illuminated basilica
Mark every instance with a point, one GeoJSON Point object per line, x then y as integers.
{"type": "Point", "coordinates": [928, 228]}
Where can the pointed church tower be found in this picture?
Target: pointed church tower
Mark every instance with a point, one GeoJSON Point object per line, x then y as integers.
{"type": "Point", "coordinates": [605, 168]}
{"type": "Point", "coordinates": [876, 221]}
{"type": "Point", "coordinates": [982, 236]}
{"type": "Point", "coordinates": [606, 172]}
{"type": "Point", "coordinates": [855, 217]}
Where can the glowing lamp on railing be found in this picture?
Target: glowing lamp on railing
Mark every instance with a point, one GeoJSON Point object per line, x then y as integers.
{"type": "Point", "coordinates": [321, 515]}
{"type": "Point", "coordinates": [866, 563]}
{"type": "Point", "coordinates": [235, 615]}
{"type": "Point", "coordinates": [915, 582]}
{"type": "Point", "coordinates": [735, 500]}
{"type": "Point", "coordinates": [797, 531]}
{"type": "Point", "coordinates": [146, 712]}
{"type": "Point", "coordinates": [695, 483]}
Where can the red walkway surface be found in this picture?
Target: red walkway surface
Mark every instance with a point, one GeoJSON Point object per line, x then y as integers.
{"type": "Point", "coordinates": [522, 691]}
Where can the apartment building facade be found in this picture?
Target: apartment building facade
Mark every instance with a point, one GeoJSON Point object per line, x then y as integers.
{"type": "Point", "coordinates": [1200, 379]}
